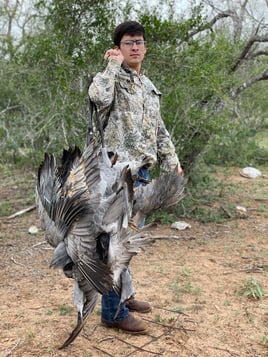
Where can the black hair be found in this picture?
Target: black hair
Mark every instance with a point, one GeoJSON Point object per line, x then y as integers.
{"type": "Point", "coordinates": [131, 28]}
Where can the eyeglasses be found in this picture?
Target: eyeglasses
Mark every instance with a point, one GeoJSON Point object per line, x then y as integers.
{"type": "Point", "coordinates": [130, 43]}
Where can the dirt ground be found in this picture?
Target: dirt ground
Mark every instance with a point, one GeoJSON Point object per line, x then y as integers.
{"type": "Point", "coordinates": [192, 278]}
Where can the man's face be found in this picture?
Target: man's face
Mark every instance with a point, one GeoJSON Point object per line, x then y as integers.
{"type": "Point", "coordinates": [133, 52]}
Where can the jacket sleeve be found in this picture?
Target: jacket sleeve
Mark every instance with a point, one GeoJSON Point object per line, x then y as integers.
{"type": "Point", "coordinates": [102, 89]}
{"type": "Point", "coordinates": [166, 149]}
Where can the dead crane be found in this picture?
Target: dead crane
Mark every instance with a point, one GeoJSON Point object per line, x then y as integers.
{"type": "Point", "coordinates": [90, 211]}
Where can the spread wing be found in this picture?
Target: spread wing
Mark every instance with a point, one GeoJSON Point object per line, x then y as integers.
{"type": "Point", "coordinates": [89, 209]}
{"type": "Point", "coordinates": [164, 191]}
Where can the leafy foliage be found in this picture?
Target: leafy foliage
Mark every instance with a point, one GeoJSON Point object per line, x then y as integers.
{"type": "Point", "coordinates": [44, 83]}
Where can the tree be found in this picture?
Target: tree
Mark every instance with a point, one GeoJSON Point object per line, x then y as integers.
{"type": "Point", "coordinates": [205, 67]}
{"type": "Point", "coordinates": [199, 68]}
{"type": "Point", "coordinates": [18, 19]}
{"type": "Point", "coordinates": [47, 78]}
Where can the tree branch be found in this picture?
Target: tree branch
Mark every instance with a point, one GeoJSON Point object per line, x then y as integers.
{"type": "Point", "coordinates": [209, 24]}
{"type": "Point", "coordinates": [246, 50]}
{"type": "Point", "coordinates": [258, 53]}
{"type": "Point", "coordinates": [8, 108]}
{"type": "Point", "coordinates": [261, 77]}
{"type": "Point", "coordinates": [219, 16]}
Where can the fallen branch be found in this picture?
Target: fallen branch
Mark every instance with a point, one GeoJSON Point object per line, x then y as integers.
{"type": "Point", "coordinates": [102, 351]}
{"type": "Point", "coordinates": [225, 350]}
{"type": "Point", "coordinates": [19, 213]}
{"type": "Point", "coordinates": [170, 310]}
{"type": "Point", "coordinates": [181, 328]}
{"type": "Point", "coordinates": [227, 212]}
{"type": "Point", "coordinates": [40, 243]}
{"type": "Point", "coordinates": [15, 262]}
{"type": "Point", "coordinates": [166, 237]}
{"type": "Point", "coordinates": [138, 348]}
{"type": "Point", "coordinates": [9, 353]}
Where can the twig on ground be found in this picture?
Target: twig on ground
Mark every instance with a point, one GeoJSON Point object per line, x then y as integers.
{"type": "Point", "coordinates": [170, 310]}
{"type": "Point", "coordinates": [37, 244]}
{"type": "Point", "coordinates": [15, 262]}
{"type": "Point", "coordinates": [254, 268]}
{"type": "Point", "coordinates": [107, 338]}
{"type": "Point", "coordinates": [225, 350]}
{"type": "Point", "coordinates": [135, 347]}
{"type": "Point", "coordinates": [21, 212]}
{"type": "Point", "coordinates": [166, 237]}
{"type": "Point", "coordinates": [9, 353]}
{"type": "Point", "coordinates": [169, 326]}
{"type": "Point", "coordinates": [97, 348]}
{"type": "Point", "coordinates": [225, 210]}
{"type": "Point", "coordinates": [139, 348]}
{"type": "Point", "coordinates": [102, 351]}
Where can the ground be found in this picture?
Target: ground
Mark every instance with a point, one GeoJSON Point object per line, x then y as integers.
{"type": "Point", "coordinates": [196, 280]}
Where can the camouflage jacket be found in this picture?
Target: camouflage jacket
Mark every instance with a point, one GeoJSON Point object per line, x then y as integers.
{"type": "Point", "coordinates": [135, 129]}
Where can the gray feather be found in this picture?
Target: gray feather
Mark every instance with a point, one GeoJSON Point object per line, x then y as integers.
{"type": "Point", "coordinates": [86, 204]}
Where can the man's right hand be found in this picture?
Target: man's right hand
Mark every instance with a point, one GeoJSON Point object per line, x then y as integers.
{"type": "Point", "coordinates": [114, 53]}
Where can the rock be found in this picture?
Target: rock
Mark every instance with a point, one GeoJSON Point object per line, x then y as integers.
{"type": "Point", "coordinates": [33, 230]}
{"type": "Point", "coordinates": [250, 172]}
{"type": "Point", "coordinates": [180, 225]}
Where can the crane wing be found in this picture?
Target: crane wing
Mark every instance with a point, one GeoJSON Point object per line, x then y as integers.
{"type": "Point", "coordinates": [163, 191]}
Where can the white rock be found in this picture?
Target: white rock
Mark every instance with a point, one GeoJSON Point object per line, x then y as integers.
{"type": "Point", "coordinates": [33, 230]}
{"type": "Point", "coordinates": [180, 225]}
{"type": "Point", "coordinates": [241, 208]}
{"type": "Point", "coordinates": [250, 172]}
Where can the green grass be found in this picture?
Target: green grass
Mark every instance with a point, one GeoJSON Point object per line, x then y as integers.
{"type": "Point", "coordinates": [65, 309]}
{"type": "Point", "coordinates": [6, 208]}
{"type": "Point", "coordinates": [252, 289]}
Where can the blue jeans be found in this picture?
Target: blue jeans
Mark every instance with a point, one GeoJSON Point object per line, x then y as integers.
{"type": "Point", "coordinates": [111, 300]}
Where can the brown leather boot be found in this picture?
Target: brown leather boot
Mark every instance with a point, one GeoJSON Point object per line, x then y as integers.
{"type": "Point", "coordinates": [129, 324]}
{"type": "Point", "coordinates": [138, 306]}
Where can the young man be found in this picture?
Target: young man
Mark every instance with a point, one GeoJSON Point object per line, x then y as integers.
{"type": "Point", "coordinates": [129, 108]}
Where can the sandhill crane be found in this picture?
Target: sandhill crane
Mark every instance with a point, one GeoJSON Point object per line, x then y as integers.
{"type": "Point", "coordinates": [90, 211]}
